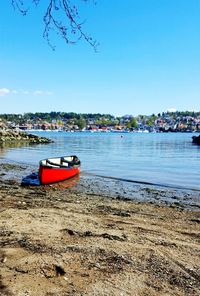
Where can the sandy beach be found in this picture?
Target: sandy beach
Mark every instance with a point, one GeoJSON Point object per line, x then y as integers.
{"type": "Point", "coordinates": [88, 236]}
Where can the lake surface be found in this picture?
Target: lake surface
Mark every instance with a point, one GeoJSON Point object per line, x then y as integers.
{"type": "Point", "coordinates": [159, 158]}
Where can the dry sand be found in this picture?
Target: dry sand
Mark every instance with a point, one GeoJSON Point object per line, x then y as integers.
{"type": "Point", "coordinates": [62, 240]}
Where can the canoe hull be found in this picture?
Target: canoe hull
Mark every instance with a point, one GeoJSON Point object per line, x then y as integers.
{"type": "Point", "coordinates": [53, 175]}
{"type": "Point", "coordinates": [58, 169]}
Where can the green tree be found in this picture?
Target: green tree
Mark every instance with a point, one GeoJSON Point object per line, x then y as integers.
{"type": "Point", "coordinates": [132, 123]}
{"type": "Point", "coordinates": [81, 123]}
{"type": "Point", "coordinates": [150, 122]}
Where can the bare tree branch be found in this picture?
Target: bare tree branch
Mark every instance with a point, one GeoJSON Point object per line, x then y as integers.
{"type": "Point", "coordinates": [61, 16]}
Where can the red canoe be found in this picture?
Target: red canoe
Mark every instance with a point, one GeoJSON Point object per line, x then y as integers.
{"type": "Point", "coordinates": [58, 169]}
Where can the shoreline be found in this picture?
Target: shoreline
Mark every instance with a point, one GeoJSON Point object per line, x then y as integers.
{"type": "Point", "coordinates": [88, 237]}
{"type": "Point", "coordinates": [112, 187]}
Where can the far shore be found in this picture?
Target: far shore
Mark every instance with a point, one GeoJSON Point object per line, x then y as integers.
{"type": "Point", "coordinates": [92, 236]}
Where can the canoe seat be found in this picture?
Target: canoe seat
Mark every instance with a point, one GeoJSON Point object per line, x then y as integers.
{"type": "Point", "coordinates": [70, 161]}
{"type": "Point", "coordinates": [54, 164]}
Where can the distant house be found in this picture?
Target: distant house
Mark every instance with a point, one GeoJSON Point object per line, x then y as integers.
{"type": "Point", "coordinates": [93, 128]}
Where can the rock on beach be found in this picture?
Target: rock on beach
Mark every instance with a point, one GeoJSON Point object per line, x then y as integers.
{"type": "Point", "coordinates": [15, 135]}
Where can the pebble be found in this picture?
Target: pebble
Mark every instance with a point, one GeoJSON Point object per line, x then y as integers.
{"type": "Point", "coordinates": [4, 259]}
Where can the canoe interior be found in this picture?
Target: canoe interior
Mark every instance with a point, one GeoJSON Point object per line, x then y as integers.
{"type": "Point", "coordinates": [61, 161]}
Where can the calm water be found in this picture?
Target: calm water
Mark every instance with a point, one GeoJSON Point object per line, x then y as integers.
{"type": "Point", "coordinates": [164, 158]}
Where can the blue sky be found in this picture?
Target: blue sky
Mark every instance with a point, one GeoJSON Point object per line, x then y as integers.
{"type": "Point", "coordinates": [148, 60]}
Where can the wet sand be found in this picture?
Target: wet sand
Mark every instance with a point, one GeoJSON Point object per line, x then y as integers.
{"type": "Point", "coordinates": [94, 236]}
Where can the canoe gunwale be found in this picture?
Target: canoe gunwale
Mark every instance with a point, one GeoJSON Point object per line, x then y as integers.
{"type": "Point", "coordinates": [59, 166]}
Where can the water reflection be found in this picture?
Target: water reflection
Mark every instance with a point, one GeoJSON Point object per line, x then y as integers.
{"type": "Point", "coordinates": [7, 146]}
{"type": "Point", "coordinates": [14, 144]}
{"type": "Point", "coordinates": [72, 182]}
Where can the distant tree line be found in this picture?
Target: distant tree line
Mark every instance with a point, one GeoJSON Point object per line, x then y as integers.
{"type": "Point", "coordinates": [180, 114]}
{"type": "Point", "coordinates": [66, 116]}
{"type": "Point", "coordinates": [96, 117]}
